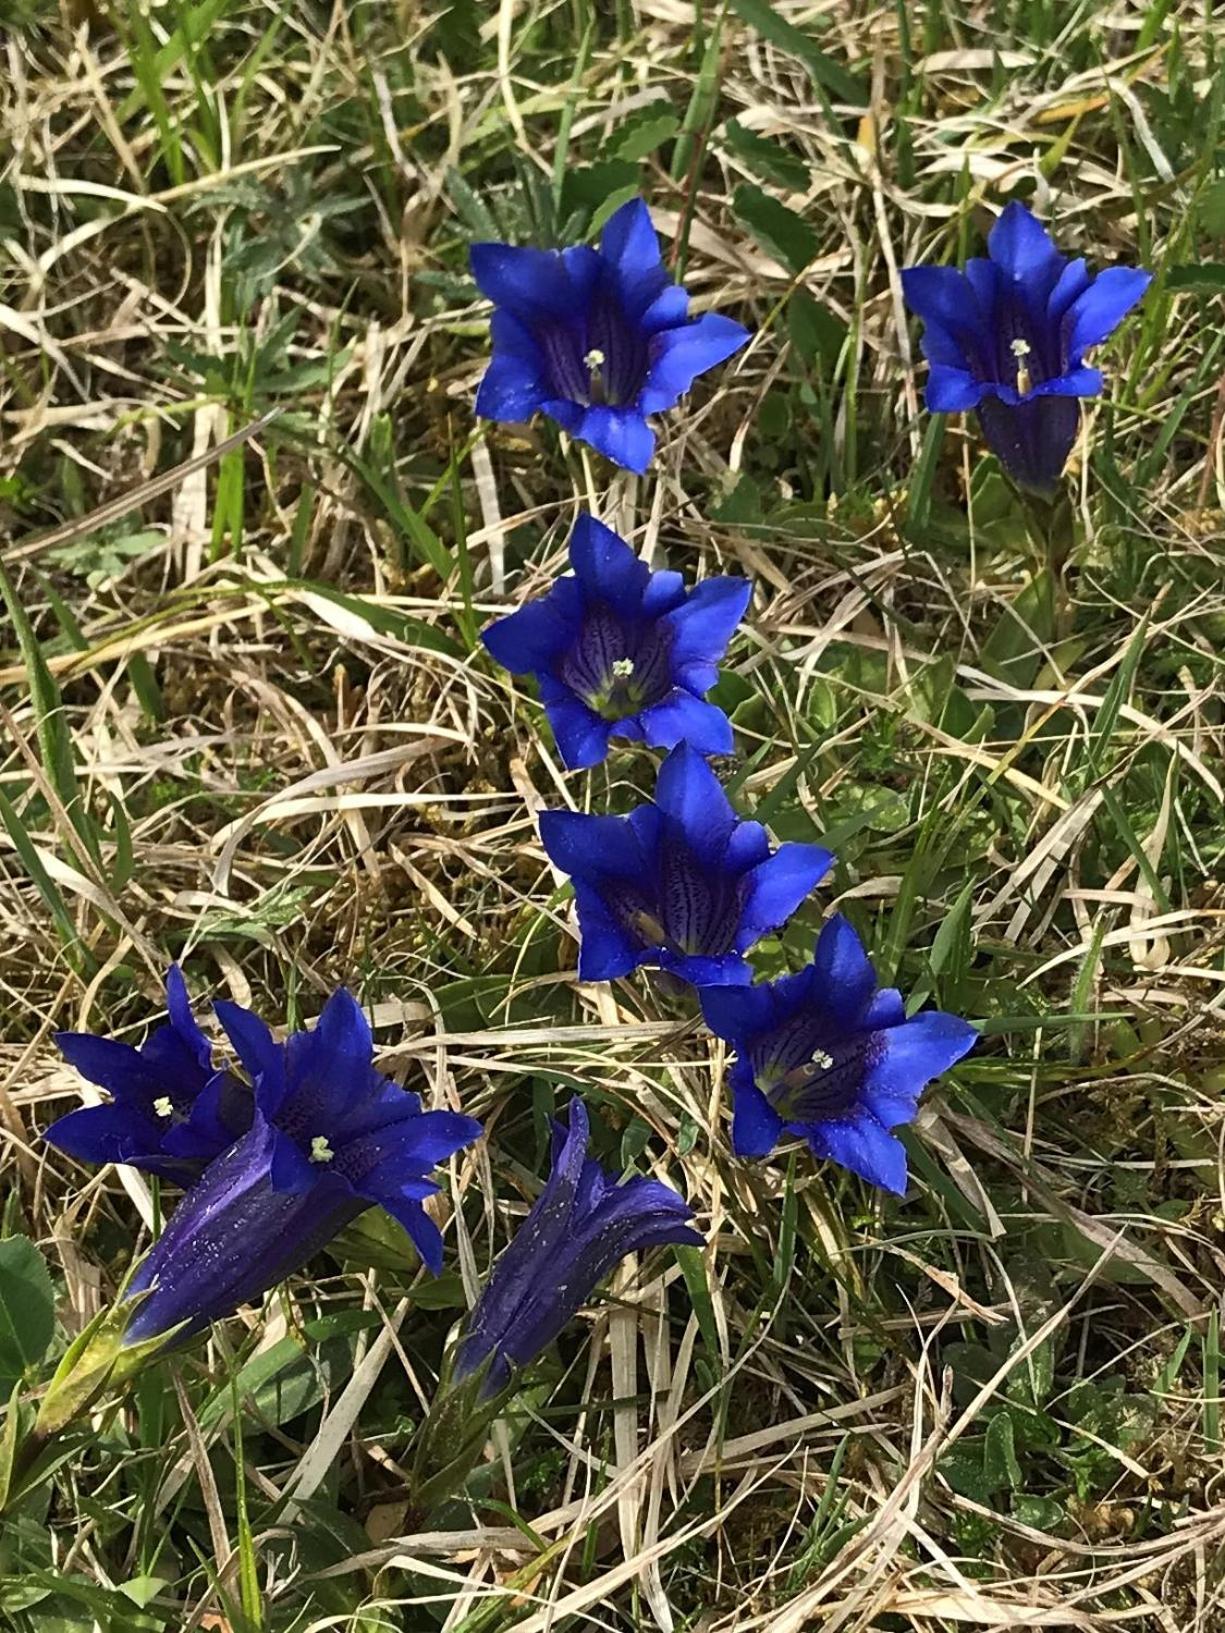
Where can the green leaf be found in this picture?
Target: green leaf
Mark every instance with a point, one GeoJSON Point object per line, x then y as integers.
{"type": "Point", "coordinates": [1015, 649]}
{"type": "Point", "coordinates": [779, 230]}
{"type": "Point", "coordinates": [1206, 275]}
{"type": "Point", "coordinates": [1000, 1465]}
{"type": "Point", "coordinates": [54, 737]}
{"type": "Point", "coordinates": [816, 333]}
{"type": "Point", "coordinates": [588, 187]}
{"type": "Point", "coordinates": [766, 158]}
{"type": "Point", "coordinates": [827, 73]}
{"type": "Point", "coordinates": [27, 1309]}
{"type": "Point", "coordinates": [1210, 209]}
{"type": "Point", "coordinates": [650, 128]}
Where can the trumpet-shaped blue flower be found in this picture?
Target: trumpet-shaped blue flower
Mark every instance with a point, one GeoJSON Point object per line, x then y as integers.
{"type": "Point", "coordinates": [620, 651]}
{"type": "Point", "coordinates": [331, 1137]}
{"type": "Point", "coordinates": [170, 1110]}
{"type": "Point", "coordinates": [1008, 337]}
{"type": "Point", "coordinates": [682, 883]}
{"type": "Point", "coordinates": [580, 1227]}
{"type": "Point", "coordinates": [826, 1055]}
{"type": "Point", "coordinates": [596, 339]}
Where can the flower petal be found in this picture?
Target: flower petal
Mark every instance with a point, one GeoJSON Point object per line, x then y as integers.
{"type": "Point", "coordinates": [845, 979]}
{"type": "Point", "coordinates": [952, 391]}
{"type": "Point", "coordinates": [706, 970]}
{"type": "Point", "coordinates": [756, 1126]}
{"type": "Point", "coordinates": [607, 950]}
{"type": "Point", "coordinates": [1079, 382]}
{"type": "Point", "coordinates": [1073, 280]}
{"type": "Point", "coordinates": [620, 434]}
{"type": "Point", "coordinates": [777, 887]}
{"type": "Point", "coordinates": [704, 624]}
{"type": "Point", "coordinates": [254, 1044]}
{"type": "Point", "coordinates": [913, 1054]}
{"type": "Point", "coordinates": [422, 1231]}
{"type": "Point", "coordinates": [510, 389]}
{"type": "Point", "coordinates": [591, 847]}
{"type": "Point", "coordinates": [688, 791]}
{"type": "Point", "coordinates": [631, 243]}
{"type": "Point", "coordinates": [529, 640]}
{"type": "Point", "coordinates": [1097, 312]}
{"type": "Point", "coordinates": [606, 566]}
{"type": "Point", "coordinates": [863, 1146]}
{"type": "Point", "coordinates": [679, 355]}
{"type": "Point", "coordinates": [941, 295]}
{"type": "Point", "coordinates": [111, 1133]}
{"type": "Point", "coordinates": [581, 734]}
{"type": "Point", "coordinates": [533, 284]}
{"type": "Point", "coordinates": [681, 717]}
{"type": "Point", "coordinates": [113, 1066]}
{"type": "Point", "coordinates": [1020, 245]}
{"type": "Point", "coordinates": [669, 307]}
{"type": "Point", "coordinates": [736, 1014]}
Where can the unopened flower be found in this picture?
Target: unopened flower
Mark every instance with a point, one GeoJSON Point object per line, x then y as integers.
{"type": "Point", "coordinates": [579, 1229]}
{"type": "Point", "coordinates": [825, 1055]}
{"type": "Point", "coordinates": [1008, 337]}
{"type": "Point", "coordinates": [170, 1112]}
{"type": "Point", "coordinates": [682, 883]}
{"type": "Point", "coordinates": [597, 339]}
{"type": "Point", "coordinates": [620, 651]}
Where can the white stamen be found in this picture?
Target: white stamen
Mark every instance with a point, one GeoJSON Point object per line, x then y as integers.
{"type": "Point", "coordinates": [822, 1061]}
{"type": "Point", "coordinates": [594, 359]}
{"type": "Point", "coordinates": [164, 1107]}
{"type": "Point", "coordinates": [623, 668]}
{"type": "Point", "coordinates": [321, 1151]}
{"type": "Point", "coordinates": [1021, 349]}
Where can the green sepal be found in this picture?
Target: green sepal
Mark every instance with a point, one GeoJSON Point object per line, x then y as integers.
{"type": "Point", "coordinates": [10, 1437]}
{"type": "Point", "coordinates": [96, 1357]}
{"type": "Point", "coordinates": [452, 1437]}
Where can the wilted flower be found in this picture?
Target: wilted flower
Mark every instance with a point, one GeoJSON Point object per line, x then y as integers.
{"type": "Point", "coordinates": [580, 1227]}
{"type": "Point", "coordinates": [620, 651]}
{"type": "Point", "coordinates": [596, 339]}
{"type": "Point", "coordinates": [330, 1138]}
{"type": "Point", "coordinates": [1008, 337]}
{"type": "Point", "coordinates": [170, 1110]}
{"type": "Point", "coordinates": [823, 1054]}
{"type": "Point", "coordinates": [682, 883]}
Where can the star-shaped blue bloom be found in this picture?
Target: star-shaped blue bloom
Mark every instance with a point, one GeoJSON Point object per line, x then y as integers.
{"type": "Point", "coordinates": [170, 1112]}
{"type": "Point", "coordinates": [331, 1137]}
{"type": "Point", "coordinates": [596, 339]}
{"type": "Point", "coordinates": [826, 1055]}
{"type": "Point", "coordinates": [1008, 337]}
{"type": "Point", "coordinates": [581, 1226]}
{"type": "Point", "coordinates": [620, 651]}
{"type": "Point", "coordinates": [682, 883]}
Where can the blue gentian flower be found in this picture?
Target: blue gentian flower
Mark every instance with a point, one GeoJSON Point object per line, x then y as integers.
{"type": "Point", "coordinates": [682, 883]}
{"type": "Point", "coordinates": [580, 1227]}
{"type": "Point", "coordinates": [595, 339]}
{"type": "Point", "coordinates": [823, 1054]}
{"type": "Point", "coordinates": [1008, 337]}
{"type": "Point", "coordinates": [620, 651]}
{"type": "Point", "coordinates": [331, 1137]}
{"type": "Point", "coordinates": [170, 1110]}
